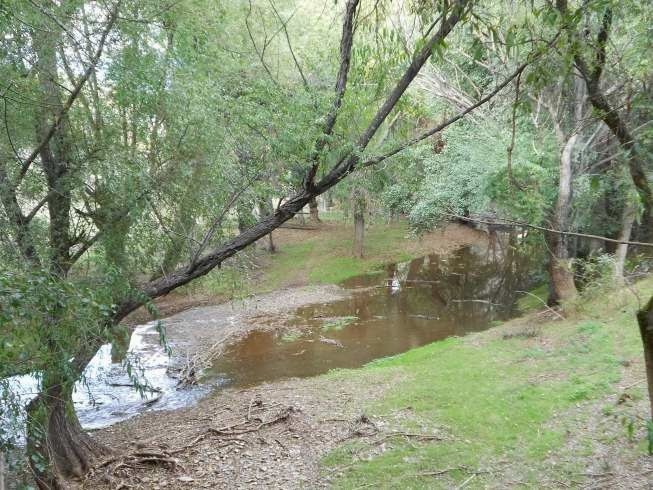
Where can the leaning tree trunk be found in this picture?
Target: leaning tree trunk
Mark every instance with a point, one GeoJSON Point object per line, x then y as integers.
{"type": "Point", "coordinates": [645, 320]}
{"type": "Point", "coordinates": [58, 446]}
{"type": "Point", "coordinates": [561, 276]}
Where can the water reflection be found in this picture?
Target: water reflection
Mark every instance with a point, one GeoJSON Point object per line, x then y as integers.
{"type": "Point", "coordinates": [408, 305]}
{"type": "Point", "coordinates": [106, 394]}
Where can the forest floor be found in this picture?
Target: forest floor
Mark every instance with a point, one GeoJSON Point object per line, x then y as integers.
{"type": "Point", "coordinates": [539, 401]}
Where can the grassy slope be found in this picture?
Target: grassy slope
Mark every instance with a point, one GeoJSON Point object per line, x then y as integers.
{"type": "Point", "coordinates": [328, 259]}
{"type": "Point", "coordinates": [509, 402]}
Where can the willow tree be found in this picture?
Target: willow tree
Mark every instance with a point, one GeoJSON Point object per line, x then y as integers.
{"type": "Point", "coordinates": [121, 107]}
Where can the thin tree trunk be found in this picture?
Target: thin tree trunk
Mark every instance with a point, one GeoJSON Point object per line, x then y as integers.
{"type": "Point", "coordinates": [2, 471]}
{"type": "Point", "coordinates": [627, 220]}
{"type": "Point", "coordinates": [271, 246]}
{"type": "Point", "coordinates": [645, 321]}
{"type": "Point", "coordinates": [358, 201]}
{"type": "Point", "coordinates": [266, 209]}
{"type": "Point", "coordinates": [561, 276]}
{"type": "Point", "coordinates": [609, 115]}
{"type": "Point", "coordinates": [313, 209]}
{"type": "Point", "coordinates": [359, 233]}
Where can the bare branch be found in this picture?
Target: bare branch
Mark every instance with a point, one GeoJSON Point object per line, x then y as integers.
{"type": "Point", "coordinates": [448, 122]}
{"type": "Point", "coordinates": [508, 222]}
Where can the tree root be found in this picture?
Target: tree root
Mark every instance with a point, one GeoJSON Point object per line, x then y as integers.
{"type": "Point", "coordinates": [120, 469]}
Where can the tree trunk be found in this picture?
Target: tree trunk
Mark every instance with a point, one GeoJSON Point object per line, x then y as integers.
{"type": "Point", "coordinates": [266, 209]}
{"type": "Point", "coordinates": [359, 233]}
{"type": "Point", "coordinates": [627, 219]}
{"type": "Point", "coordinates": [358, 205]}
{"type": "Point", "coordinates": [313, 209]}
{"type": "Point", "coordinates": [271, 246]}
{"type": "Point", "coordinates": [58, 446]}
{"type": "Point", "coordinates": [645, 321]}
{"type": "Point", "coordinates": [561, 276]}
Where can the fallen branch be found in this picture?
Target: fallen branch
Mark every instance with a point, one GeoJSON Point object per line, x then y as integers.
{"type": "Point", "coordinates": [119, 465]}
{"type": "Point", "coordinates": [557, 313]}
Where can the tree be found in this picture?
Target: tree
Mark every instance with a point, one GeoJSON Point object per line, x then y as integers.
{"type": "Point", "coordinates": [102, 208]}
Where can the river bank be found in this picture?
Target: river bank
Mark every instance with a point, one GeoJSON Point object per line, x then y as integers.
{"type": "Point", "coordinates": [538, 402]}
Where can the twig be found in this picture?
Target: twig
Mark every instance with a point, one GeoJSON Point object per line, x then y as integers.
{"type": "Point", "coordinates": [464, 484]}
{"type": "Point", "coordinates": [544, 303]}
{"type": "Point", "coordinates": [633, 384]}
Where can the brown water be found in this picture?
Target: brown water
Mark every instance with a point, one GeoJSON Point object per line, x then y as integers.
{"type": "Point", "coordinates": [404, 306]}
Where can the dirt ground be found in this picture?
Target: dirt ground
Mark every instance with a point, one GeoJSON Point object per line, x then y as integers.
{"type": "Point", "coordinates": [280, 432]}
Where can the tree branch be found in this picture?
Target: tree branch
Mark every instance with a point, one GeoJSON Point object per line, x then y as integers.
{"type": "Point", "coordinates": [72, 97]}
{"type": "Point", "coordinates": [346, 43]}
{"type": "Point", "coordinates": [507, 222]}
{"type": "Point", "coordinates": [448, 122]}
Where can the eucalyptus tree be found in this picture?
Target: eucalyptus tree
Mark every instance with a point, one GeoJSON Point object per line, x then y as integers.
{"type": "Point", "coordinates": [124, 190]}
{"type": "Point", "coordinates": [597, 59]}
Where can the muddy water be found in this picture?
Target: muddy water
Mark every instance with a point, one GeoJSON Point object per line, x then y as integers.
{"type": "Point", "coordinates": [406, 305]}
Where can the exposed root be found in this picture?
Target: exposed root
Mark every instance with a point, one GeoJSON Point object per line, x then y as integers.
{"type": "Point", "coordinates": [121, 470]}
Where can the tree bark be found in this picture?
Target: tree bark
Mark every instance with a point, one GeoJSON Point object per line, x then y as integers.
{"type": "Point", "coordinates": [313, 210]}
{"type": "Point", "coordinates": [58, 446]}
{"type": "Point", "coordinates": [645, 321]}
{"type": "Point", "coordinates": [561, 276]}
{"type": "Point", "coordinates": [266, 209]}
{"type": "Point", "coordinates": [359, 222]}
{"type": "Point", "coordinates": [627, 219]}
{"type": "Point", "coordinates": [359, 233]}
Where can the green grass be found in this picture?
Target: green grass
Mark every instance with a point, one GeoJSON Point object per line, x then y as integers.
{"type": "Point", "coordinates": [494, 400]}
{"type": "Point", "coordinates": [328, 257]}
{"type": "Point", "coordinates": [534, 300]}
{"type": "Point", "coordinates": [324, 258]}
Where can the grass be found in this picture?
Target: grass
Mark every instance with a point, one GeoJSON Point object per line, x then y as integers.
{"type": "Point", "coordinates": [319, 258]}
{"type": "Point", "coordinates": [502, 404]}
{"type": "Point", "coordinates": [534, 300]}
